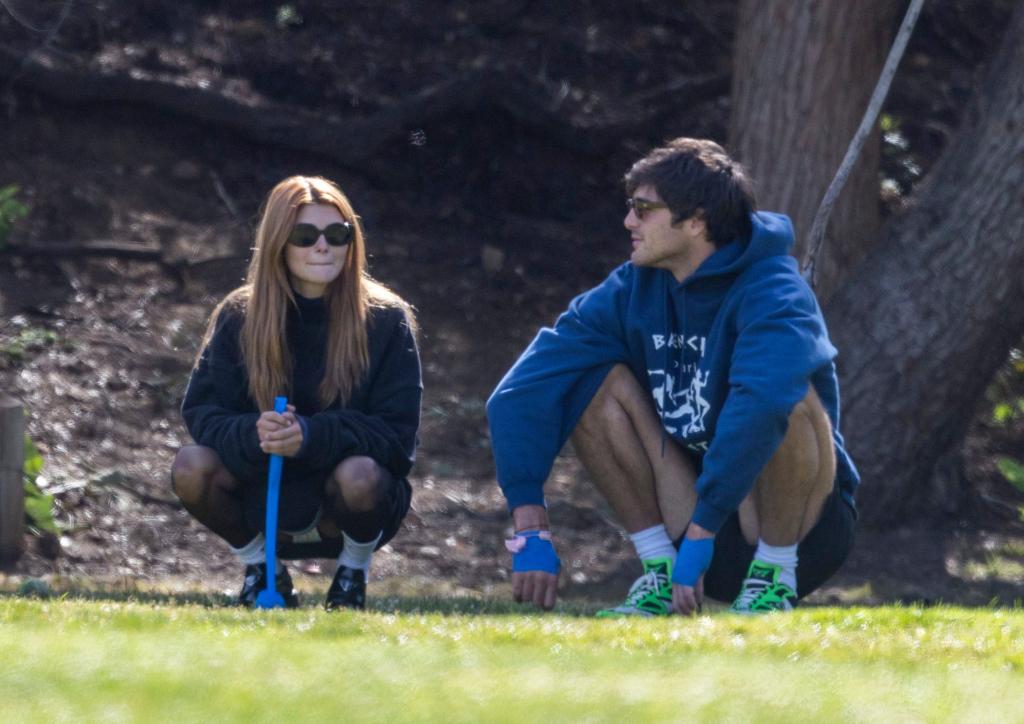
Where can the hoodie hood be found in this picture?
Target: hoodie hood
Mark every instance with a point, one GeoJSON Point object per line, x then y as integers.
{"type": "Point", "coordinates": [771, 235]}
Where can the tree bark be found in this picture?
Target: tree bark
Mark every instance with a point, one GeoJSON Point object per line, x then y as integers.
{"type": "Point", "coordinates": [803, 72]}
{"type": "Point", "coordinates": [925, 322]}
{"type": "Point", "coordinates": [12, 490]}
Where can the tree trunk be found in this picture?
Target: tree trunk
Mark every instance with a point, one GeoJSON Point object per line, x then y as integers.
{"type": "Point", "coordinates": [925, 322]}
{"type": "Point", "coordinates": [803, 72]}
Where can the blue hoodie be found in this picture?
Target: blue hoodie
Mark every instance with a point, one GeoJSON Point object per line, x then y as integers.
{"type": "Point", "coordinates": [727, 354]}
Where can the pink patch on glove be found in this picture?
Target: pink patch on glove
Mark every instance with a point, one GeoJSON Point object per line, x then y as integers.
{"type": "Point", "coordinates": [517, 543]}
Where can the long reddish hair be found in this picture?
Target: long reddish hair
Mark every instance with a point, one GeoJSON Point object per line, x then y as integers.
{"type": "Point", "coordinates": [264, 297]}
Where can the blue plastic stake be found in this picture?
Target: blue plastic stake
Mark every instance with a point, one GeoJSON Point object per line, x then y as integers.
{"type": "Point", "coordinates": [269, 597]}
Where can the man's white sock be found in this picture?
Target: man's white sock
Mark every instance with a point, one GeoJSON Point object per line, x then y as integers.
{"type": "Point", "coordinates": [356, 554]}
{"type": "Point", "coordinates": [783, 556]}
{"type": "Point", "coordinates": [653, 542]}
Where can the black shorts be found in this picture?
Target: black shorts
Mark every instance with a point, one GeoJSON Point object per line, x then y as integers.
{"type": "Point", "coordinates": [301, 504]}
{"type": "Point", "coordinates": [819, 555]}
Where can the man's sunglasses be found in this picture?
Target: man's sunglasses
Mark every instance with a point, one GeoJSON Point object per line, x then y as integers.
{"type": "Point", "coordinates": [337, 234]}
{"type": "Point", "coordinates": [642, 206]}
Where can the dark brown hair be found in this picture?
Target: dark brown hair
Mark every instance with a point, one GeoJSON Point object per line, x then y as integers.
{"type": "Point", "coordinates": [696, 176]}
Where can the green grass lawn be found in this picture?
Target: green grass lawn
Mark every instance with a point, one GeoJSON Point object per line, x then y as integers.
{"type": "Point", "coordinates": [104, 660]}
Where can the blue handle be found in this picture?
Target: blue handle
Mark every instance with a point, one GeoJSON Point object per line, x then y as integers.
{"type": "Point", "coordinates": [270, 598]}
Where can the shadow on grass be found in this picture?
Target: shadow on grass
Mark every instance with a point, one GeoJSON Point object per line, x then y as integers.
{"type": "Point", "coordinates": [925, 566]}
{"type": "Point", "coordinates": [410, 605]}
{"type": "Point", "coordinates": [474, 606]}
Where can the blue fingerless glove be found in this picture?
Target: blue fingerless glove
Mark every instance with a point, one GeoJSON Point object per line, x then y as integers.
{"type": "Point", "coordinates": [532, 550]}
{"type": "Point", "coordinates": [693, 559]}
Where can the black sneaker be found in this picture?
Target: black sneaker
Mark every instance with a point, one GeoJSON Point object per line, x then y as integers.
{"type": "Point", "coordinates": [348, 589]}
{"type": "Point", "coordinates": [256, 580]}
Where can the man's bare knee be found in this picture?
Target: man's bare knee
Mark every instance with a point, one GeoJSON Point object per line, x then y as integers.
{"type": "Point", "coordinates": [817, 420]}
{"type": "Point", "coordinates": [797, 480]}
{"type": "Point", "coordinates": [807, 451]}
{"type": "Point", "coordinates": [608, 405]}
{"type": "Point", "coordinates": [358, 481]}
{"type": "Point", "coordinates": [622, 384]}
{"type": "Point", "coordinates": [600, 418]}
{"type": "Point", "coordinates": [194, 470]}
{"type": "Point", "coordinates": [808, 414]}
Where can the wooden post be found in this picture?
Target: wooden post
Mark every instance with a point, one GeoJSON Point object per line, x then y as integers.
{"type": "Point", "coordinates": [12, 486]}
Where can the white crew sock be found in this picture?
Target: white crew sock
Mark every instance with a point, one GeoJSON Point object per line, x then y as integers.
{"type": "Point", "coordinates": [356, 554]}
{"type": "Point", "coordinates": [252, 552]}
{"type": "Point", "coordinates": [310, 535]}
{"type": "Point", "coordinates": [784, 556]}
{"type": "Point", "coordinates": [653, 542]}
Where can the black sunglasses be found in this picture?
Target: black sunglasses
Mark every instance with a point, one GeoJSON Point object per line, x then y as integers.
{"type": "Point", "coordinates": [337, 234]}
{"type": "Point", "coordinates": [642, 206]}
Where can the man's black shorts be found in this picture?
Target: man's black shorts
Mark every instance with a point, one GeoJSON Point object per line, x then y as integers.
{"type": "Point", "coordinates": [302, 500]}
{"type": "Point", "coordinates": [820, 553]}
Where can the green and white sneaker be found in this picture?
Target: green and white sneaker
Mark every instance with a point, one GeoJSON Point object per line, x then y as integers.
{"type": "Point", "coordinates": [650, 594]}
{"type": "Point", "coordinates": [762, 591]}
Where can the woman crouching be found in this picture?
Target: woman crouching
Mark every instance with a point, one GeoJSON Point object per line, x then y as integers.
{"type": "Point", "coordinates": [311, 324]}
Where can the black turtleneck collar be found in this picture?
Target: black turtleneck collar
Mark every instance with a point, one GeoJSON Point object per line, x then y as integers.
{"type": "Point", "coordinates": [310, 310]}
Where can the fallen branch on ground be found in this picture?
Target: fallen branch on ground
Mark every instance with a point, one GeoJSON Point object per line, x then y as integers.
{"type": "Point", "coordinates": [177, 268]}
{"type": "Point", "coordinates": [354, 141]}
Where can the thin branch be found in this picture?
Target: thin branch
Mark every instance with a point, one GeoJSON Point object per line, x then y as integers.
{"type": "Point", "coordinates": [123, 483]}
{"type": "Point", "coordinates": [133, 252]}
{"type": "Point", "coordinates": [50, 35]}
{"type": "Point", "coordinates": [177, 269]}
{"type": "Point", "coordinates": [229, 203]}
{"type": "Point", "coordinates": [867, 125]}
{"type": "Point", "coordinates": [25, 22]}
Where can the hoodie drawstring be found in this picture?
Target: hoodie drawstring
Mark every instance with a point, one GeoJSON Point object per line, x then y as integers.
{"type": "Point", "coordinates": [670, 319]}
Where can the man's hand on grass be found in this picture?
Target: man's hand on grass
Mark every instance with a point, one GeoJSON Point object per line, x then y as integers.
{"type": "Point", "coordinates": [687, 600]}
{"type": "Point", "coordinates": [535, 564]}
{"type": "Point", "coordinates": [536, 587]}
{"type": "Point", "coordinates": [688, 575]}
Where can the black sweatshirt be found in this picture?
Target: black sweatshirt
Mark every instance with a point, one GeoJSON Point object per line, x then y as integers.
{"type": "Point", "coordinates": [379, 420]}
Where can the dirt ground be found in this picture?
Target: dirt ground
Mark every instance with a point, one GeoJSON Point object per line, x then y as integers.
{"type": "Point", "coordinates": [484, 246]}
